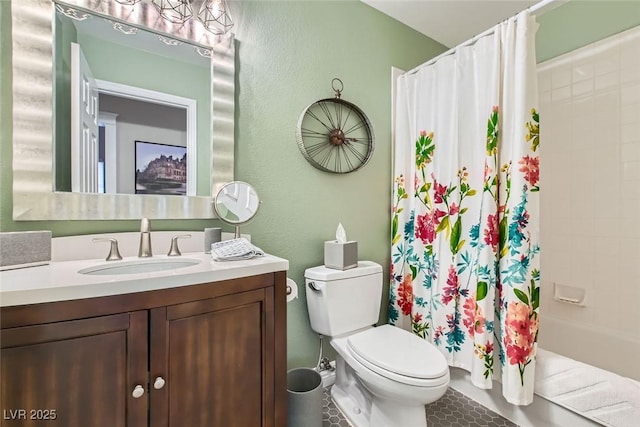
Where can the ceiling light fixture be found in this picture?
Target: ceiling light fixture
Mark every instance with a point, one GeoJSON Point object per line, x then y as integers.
{"type": "Point", "coordinates": [213, 14]}
{"type": "Point", "coordinates": [174, 11]}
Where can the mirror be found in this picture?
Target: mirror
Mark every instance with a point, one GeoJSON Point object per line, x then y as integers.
{"type": "Point", "coordinates": [236, 203]}
{"type": "Point", "coordinates": [146, 90]}
{"type": "Point", "coordinates": [38, 116]}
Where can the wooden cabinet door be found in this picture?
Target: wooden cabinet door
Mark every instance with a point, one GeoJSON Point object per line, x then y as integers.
{"type": "Point", "coordinates": [218, 358]}
{"type": "Point", "coordinates": [75, 373]}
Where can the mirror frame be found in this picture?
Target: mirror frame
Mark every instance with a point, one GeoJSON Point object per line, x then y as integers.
{"type": "Point", "coordinates": [32, 63]}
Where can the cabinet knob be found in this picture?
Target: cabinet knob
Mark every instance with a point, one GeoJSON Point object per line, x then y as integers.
{"type": "Point", "coordinates": [159, 383]}
{"type": "Point", "coordinates": [137, 392]}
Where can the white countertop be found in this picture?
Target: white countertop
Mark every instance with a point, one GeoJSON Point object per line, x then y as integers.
{"type": "Point", "coordinates": [60, 281]}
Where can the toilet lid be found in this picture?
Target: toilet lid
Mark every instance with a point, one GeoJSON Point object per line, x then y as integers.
{"type": "Point", "coordinates": [398, 351]}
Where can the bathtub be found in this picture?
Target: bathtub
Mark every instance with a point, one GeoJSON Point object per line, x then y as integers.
{"type": "Point", "coordinates": [567, 393]}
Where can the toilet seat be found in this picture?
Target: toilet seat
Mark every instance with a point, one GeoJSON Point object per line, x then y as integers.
{"type": "Point", "coordinates": [400, 356]}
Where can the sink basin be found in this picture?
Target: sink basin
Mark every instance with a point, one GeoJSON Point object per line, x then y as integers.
{"type": "Point", "coordinates": [139, 266]}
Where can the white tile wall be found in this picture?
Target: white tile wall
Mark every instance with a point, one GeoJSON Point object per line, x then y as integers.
{"type": "Point", "coordinates": [590, 196]}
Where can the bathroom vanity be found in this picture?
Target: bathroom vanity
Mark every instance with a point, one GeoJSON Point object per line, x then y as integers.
{"type": "Point", "coordinates": [203, 345]}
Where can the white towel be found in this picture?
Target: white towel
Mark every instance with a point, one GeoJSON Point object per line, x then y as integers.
{"type": "Point", "coordinates": [234, 250]}
{"type": "Point", "coordinates": [600, 395]}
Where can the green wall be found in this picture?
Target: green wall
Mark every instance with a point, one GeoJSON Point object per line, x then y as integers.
{"type": "Point", "coordinates": [288, 52]}
{"type": "Point", "coordinates": [581, 22]}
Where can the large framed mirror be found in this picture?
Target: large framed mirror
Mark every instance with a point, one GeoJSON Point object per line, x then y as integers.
{"type": "Point", "coordinates": [50, 175]}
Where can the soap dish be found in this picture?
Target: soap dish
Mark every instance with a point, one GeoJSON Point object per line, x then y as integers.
{"type": "Point", "coordinates": [569, 294]}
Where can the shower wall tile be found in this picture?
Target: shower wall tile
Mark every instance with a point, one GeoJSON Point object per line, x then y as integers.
{"type": "Point", "coordinates": [631, 171]}
{"type": "Point", "coordinates": [561, 93]}
{"type": "Point", "coordinates": [544, 81]}
{"type": "Point", "coordinates": [583, 71]}
{"type": "Point", "coordinates": [630, 151]}
{"type": "Point", "coordinates": [607, 81]}
{"type": "Point", "coordinates": [561, 77]}
{"type": "Point", "coordinates": [582, 87]}
{"type": "Point", "coordinates": [607, 255]}
{"type": "Point", "coordinates": [545, 96]}
{"type": "Point", "coordinates": [630, 114]}
{"type": "Point", "coordinates": [590, 194]}
{"type": "Point", "coordinates": [607, 102]}
{"type": "Point", "coordinates": [630, 56]}
{"type": "Point", "coordinates": [630, 132]}
{"type": "Point", "coordinates": [630, 94]}
{"type": "Point", "coordinates": [628, 74]}
{"type": "Point", "coordinates": [629, 228]}
{"type": "Point", "coordinates": [607, 62]}
{"type": "Point", "coordinates": [631, 189]}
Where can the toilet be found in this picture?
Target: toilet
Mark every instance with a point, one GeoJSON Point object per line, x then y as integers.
{"type": "Point", "coordinates": [384, 375]}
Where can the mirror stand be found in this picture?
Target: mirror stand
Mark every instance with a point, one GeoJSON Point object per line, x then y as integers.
{"type": "Point", "coordinates": [236, 203]}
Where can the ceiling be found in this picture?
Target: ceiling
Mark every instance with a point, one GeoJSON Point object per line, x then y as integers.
{"type": "Point", "coordinates": [450, 22]}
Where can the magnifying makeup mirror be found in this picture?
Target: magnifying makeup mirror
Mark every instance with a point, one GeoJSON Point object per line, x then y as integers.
{"type": "Point", "coordinates": [236, 203]}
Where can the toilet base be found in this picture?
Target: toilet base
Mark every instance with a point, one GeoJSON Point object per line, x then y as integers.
{"type": "Point", "coordinates": [356, 415]}
{"type": "Point", "coordinates": [361, 408]}
{"type": "Point", "coordinates": [379, 414]}
{"type": "Point", "coordinates": [353, 400]}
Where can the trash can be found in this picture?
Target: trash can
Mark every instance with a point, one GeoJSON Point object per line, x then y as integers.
{"type": "Point", "coordinates": [304, 390]}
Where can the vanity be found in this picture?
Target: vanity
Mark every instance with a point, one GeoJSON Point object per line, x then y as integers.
{"type": "Point", "coordinates": [200, 345]}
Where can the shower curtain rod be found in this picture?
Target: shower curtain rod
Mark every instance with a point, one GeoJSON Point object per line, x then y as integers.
{"type": "Point", "coordinates": [540, 7]}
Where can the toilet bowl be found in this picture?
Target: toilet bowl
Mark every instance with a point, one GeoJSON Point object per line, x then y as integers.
{"type": "Point", "coordinates": [399, 379]}
{"type": "Point", "coordinates": [385, 375]}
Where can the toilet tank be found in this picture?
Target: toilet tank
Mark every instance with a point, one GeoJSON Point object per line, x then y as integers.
{"type": "Point", "coordinates": [341, 302]}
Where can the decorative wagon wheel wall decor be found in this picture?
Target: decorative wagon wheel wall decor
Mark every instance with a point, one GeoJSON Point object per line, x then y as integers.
{"type": "Point", "coordinates": [335, 135]}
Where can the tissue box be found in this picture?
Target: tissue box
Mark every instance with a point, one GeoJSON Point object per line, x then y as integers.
{"type": "Point", "coordinates": [24, 249]}
{"type": "Point", "coordinates": [340, 256]}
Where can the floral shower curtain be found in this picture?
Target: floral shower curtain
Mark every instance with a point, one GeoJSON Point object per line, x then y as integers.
{"type": "Point", "coordinates": [465, 268]}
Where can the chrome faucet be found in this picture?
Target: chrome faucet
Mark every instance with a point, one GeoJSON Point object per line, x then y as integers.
{"type": "Point", "coordinates": [144, 251]}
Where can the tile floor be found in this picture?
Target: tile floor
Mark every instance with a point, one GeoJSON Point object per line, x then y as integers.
{"type": "Point", "coordinates": [453, 410]}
